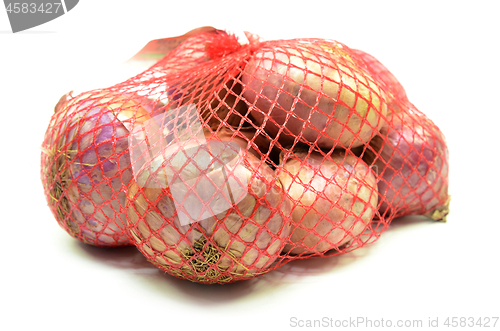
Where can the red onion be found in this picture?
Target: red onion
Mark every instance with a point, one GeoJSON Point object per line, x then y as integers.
{"type": "Point", "coordinates": [411, 160]}
{"type": "Point", "coordinates": [207, 211]}
{"type": "Point", "coordinates": [312, 89]}
{"type": "Point", "coordinates": [86, 164]}
{"type": "Point", "coordinates": [334, 200]}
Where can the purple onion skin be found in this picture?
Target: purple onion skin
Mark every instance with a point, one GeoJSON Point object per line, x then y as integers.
{"type": "Point", "coordinates": [108, 150]}
{"type": "Point", "coordinates": [410, 159]}
{"type": "Point", "coordinates": [86, 156]}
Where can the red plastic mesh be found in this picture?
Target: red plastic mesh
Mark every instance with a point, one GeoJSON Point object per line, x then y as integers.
{"type": "Point", "coordinates": [224, 161]}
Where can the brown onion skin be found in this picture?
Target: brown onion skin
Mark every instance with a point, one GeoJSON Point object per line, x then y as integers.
{"type": "Point", "coordinates": [334, 199]}
{"type": "Point", "coordinates": [410, 158]}
{"type": "Point", "coordinates": [248, 237]}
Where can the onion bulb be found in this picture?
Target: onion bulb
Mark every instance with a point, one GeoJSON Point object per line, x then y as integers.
{"type": "Point", "coordinates": [311, 89]}
{"type": "Point", "coordinates": [85, 163]}
{"type": "Point", "coordinates": [206, 211]}
{"type": "Point", "coordinates": [410, 157]}
{"type": "Point", "coordinates": [334, 199]}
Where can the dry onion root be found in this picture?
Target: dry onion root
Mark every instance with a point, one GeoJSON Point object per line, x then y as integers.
{"type": "Point", "coordinates": [312, 89]}
{"type": "Point", "coordinates": [411, 160]}
{"type": "Point", "coordinates": [86, 163]}
{"type": "Point", "coordinates": [334, 200]}
{"type": "Point", "coordinates": [205, 211]}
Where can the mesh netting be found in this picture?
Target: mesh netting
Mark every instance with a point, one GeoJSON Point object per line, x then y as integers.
{"type": "Point", "coordinates": [224, 161]}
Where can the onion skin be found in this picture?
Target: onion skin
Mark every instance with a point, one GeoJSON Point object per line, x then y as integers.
{"type": "Point", "coordinates": [410, 158]}
{"type": "Point", "coordinates": [314, 90]}
{"type": "Point", "coordinates": [85, 164]}
{"type": "Point", "coordinates": [239, 243]}
{"type": "Point", "coordinates": [334, 200]}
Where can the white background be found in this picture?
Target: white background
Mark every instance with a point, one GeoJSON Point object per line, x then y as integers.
{"type": "Point", "coordinates": [445, 53]}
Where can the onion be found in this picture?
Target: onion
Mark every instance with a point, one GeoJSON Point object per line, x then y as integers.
{"type": "Point", "coordinates": [85, 163]}
{"type": "Point", "coordinates": [334, 200]}
{"type": "Point", "coordinates": [312, 89]}
{"type": "Point", "coordinates": [207, 211]}
{"type": "Point", "coordinates": [411, 160]}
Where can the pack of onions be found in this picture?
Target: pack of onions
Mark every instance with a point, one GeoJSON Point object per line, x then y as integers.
{"type": "Point", "coordinates": [227, 159]}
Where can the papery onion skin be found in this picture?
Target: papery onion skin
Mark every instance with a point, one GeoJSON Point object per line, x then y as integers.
{"type": "Point", "coordinates": [85, 164]}
{"type": "Point", "coordinates": [334, 199]}
{"type": "Point", "coordinates": [314, 90]}
{"type": "Point", "coordinates": [239, 243]}
{"type": "Point", "coordinates": [410, 158]}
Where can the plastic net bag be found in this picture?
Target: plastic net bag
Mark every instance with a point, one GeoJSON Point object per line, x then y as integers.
{"type": "Point", "coordinates": [224, 161]}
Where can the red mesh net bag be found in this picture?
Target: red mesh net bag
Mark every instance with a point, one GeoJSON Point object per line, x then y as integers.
{"type": "Point", "coordinates": [224, 161]}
